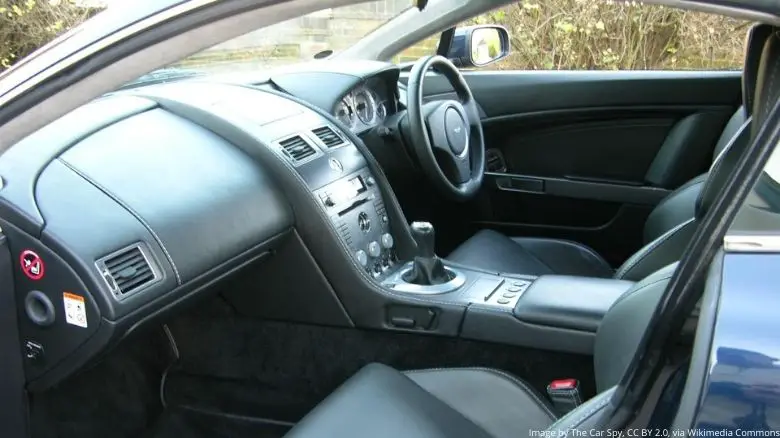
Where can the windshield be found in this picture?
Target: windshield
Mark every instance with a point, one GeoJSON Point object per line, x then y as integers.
{"type": "Point", "coordinates": [289, 42]}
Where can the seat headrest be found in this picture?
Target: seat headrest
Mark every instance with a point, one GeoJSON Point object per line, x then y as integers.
{"type": "Point", "coordinates": [761, 88]}
{"type": "Point", "coordinates": [767, 79]}
{"type": "Point", "coordinates": [754, 46]}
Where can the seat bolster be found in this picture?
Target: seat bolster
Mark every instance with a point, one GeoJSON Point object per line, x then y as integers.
{"type": "Point", "coordinates": [566, 257]}
{"type": "Point", "coordinates": [498, 402]}
{"type": "Point", "coordinates": [493, 251]}
{"type": "Point", "coordinates": [381, 402]}
{"type": "Point", "coordinates": [496, 252]}
{"type": "Point", "coordinates": [676, 208]}
{"type": "Point", "coordinates": [660, 252]}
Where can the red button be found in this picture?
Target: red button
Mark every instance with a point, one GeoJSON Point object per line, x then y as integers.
{"type": "Point", "coordinates": [563, 384]}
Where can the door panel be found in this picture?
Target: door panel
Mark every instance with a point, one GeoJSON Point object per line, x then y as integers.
{"type": "Point", "coordinates": [587, 155]}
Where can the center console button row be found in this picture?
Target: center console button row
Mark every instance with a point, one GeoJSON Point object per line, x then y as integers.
{"type": "Point", "coordinates": [387, 240]}
{"type": "Point", "coordinates": [361, 257]}
{"type": "Point", "coordinates": [373, 249]}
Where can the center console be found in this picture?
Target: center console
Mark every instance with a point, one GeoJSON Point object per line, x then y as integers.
{"type": "Point", "coordinates": [355, 207]}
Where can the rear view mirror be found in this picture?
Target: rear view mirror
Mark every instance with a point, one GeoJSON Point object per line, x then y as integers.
{"type": "Point", "coordinates": [477, 46]}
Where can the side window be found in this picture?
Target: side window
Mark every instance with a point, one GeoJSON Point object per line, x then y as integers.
{"type": "Point", "coordinates": [605, 35]}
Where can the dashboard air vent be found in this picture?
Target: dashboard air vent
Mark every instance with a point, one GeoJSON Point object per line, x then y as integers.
{"type": "Point", "coordinates": [127, 270]}
{"type": "Point", "coordinates": [297, 148]}
{"type": "Point", "coordinates": [328, 136]}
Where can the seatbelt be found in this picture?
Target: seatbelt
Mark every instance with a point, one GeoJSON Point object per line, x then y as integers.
{"type": "Point", "coordinates": [13, 397]}
{"type": "Point", "coordinates": [564, 395]}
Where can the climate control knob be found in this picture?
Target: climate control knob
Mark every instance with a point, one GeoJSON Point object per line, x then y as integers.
{"type": "Point", "coordinates": [387, 240]}
{"type": "Point", "coordinates": [361, 257]}
{"type": "Point", "coordinates": [373, 249]}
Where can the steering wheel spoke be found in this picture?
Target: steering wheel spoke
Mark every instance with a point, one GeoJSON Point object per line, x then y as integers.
{"type": "Point", "coordinates": [446, 134]}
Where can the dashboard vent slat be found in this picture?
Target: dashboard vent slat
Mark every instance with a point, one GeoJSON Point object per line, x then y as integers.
{"type": "Point", "coordinates": [127, 270]}
{"type": "Point", "coordinates": [297, 148]}
{"type": "Point", "coordinates": [328, 136]}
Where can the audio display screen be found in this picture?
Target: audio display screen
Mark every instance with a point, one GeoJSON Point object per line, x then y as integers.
{"type": "Point", "coordinates": [344, 191]}
{"type": "Point", "coordinates": [357, 184]}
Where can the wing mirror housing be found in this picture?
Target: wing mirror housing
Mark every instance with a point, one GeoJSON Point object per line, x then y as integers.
{"type": "Point", "coordinates": [478, 46]}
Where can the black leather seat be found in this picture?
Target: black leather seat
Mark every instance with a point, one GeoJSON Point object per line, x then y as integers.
{"type": "Point", "coordinates": [380, 402]}
{"type": "Point", "coordinates": [481, 403]}
{"type": "Point", "coordinates": [668, 228]}
{"type": "Point", "coordinates": [666, 234]}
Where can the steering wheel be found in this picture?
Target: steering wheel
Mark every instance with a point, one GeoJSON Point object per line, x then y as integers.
{"type": "Point", "coordinates": [446, 135]}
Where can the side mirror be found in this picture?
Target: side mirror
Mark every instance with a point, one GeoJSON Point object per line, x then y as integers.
{"type": "Point", "coordinates": [477, 46]}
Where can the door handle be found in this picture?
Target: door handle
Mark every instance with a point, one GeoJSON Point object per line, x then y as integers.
{"type": "Point", "coordinates": [520, 184]}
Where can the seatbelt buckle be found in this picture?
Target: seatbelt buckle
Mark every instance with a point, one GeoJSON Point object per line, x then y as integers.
{"type": "Point", "coordinates": [564, 394]}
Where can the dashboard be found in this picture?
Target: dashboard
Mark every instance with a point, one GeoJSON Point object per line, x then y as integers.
{"type": "Point", "coordinates": [367, 105]}
{"type": "Point", "coordinates": [145, 198]}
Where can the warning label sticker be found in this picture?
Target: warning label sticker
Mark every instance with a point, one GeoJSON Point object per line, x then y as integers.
{"type": "Point", "coordinates": [75, 309]}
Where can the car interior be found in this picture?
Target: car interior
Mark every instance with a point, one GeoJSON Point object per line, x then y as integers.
{"type": "Point", "coordinates": [353, 248]}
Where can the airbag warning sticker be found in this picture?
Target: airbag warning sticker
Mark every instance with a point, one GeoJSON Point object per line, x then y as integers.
{"type": "Point", "coordinates": [75, 310]}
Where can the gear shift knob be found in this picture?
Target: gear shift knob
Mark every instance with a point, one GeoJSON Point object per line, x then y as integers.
{"type": "Point", "coordinates": [424, 236]}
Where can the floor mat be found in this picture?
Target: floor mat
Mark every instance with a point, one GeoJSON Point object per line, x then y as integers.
{"type": "Point", "coordinates": [183, 422]}
{"type": "Point", "coordinates": [282, 370]}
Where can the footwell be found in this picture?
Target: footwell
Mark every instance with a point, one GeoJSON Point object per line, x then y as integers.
{"type": "Point", "coordinates": [182, 422]}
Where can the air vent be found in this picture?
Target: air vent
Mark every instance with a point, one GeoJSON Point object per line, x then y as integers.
{"type": "Point", "coordinates": [297, 148]}
{"type": "Point", "coordinates": [127, 270]}
{"type": "Point", "coordinates": [328, 137]}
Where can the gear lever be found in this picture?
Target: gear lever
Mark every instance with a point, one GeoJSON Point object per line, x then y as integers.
{"type": "Point", "coordinates": [427, 268]}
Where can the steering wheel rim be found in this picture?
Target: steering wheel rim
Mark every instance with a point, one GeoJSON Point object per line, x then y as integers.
{"type": "Point", "coordinates": [446, 135]}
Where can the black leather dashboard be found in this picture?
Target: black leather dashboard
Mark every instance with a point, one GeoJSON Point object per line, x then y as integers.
{"type": "Point", "coordinates": [129, 183]}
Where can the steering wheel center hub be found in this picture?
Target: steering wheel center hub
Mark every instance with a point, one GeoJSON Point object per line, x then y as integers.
{"type": "Point", "coordinates": [456, 130]}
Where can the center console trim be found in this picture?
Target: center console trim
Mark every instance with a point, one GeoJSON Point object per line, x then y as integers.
{"type": "Point", "coordinates": [397, 283]}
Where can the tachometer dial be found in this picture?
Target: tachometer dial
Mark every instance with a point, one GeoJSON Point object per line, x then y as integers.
{"type": "Point", "coordinates": [365, 107]}
{"type": "Point", "coordinates": [345, 113]}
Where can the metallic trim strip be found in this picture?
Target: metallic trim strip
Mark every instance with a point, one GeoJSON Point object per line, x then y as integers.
{"type": "Point", "coordinates": [396, 283]}
{"type": "Point", "coordinates": [745, 243]}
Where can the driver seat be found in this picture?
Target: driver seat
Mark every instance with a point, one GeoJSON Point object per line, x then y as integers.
{"type": "Point", "coordinates": [667, 231]}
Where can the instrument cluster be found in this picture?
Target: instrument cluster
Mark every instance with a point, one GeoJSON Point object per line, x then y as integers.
{"type": "Point", "coordinates": [365, 107]}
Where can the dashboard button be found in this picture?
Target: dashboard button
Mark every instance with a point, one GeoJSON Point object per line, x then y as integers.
{"type": "Point", "coordinates": [370, 181]}
{"type": "Point", "coordinates": [387, 240]}
{"type": "Point", "coordinates": [513, 289]}
{"type": "Point", "coordinates": [361, 257]}
{"type": "Point", "coordinates": [509, 295]}
{"type": "Point", "coordinates": [373, 249]}
{"type": "Point", "coordinates": [503, 301]}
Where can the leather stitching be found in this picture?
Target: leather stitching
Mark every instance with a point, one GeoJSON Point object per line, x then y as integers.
{"type": "Point", "coordinates": [692, 183]}
{"type": "Point", "coordinates": [573, 244]}
{"type": "Point", "coordinates": [645, 252]}
{"type": "Point", "coordinates": [129, 210]}
{"type": "Point", "coordinates": [512, 379]}
{"type": "Point", "coordinates": [633, 291]}
{"type": "Point", "coordinates": [734, 138]}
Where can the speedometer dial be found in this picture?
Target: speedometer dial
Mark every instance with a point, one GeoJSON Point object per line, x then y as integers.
{"type": "Point", "coordinates": [365, 107]}
{"type": "Point", "coordinates": [345, 113]}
